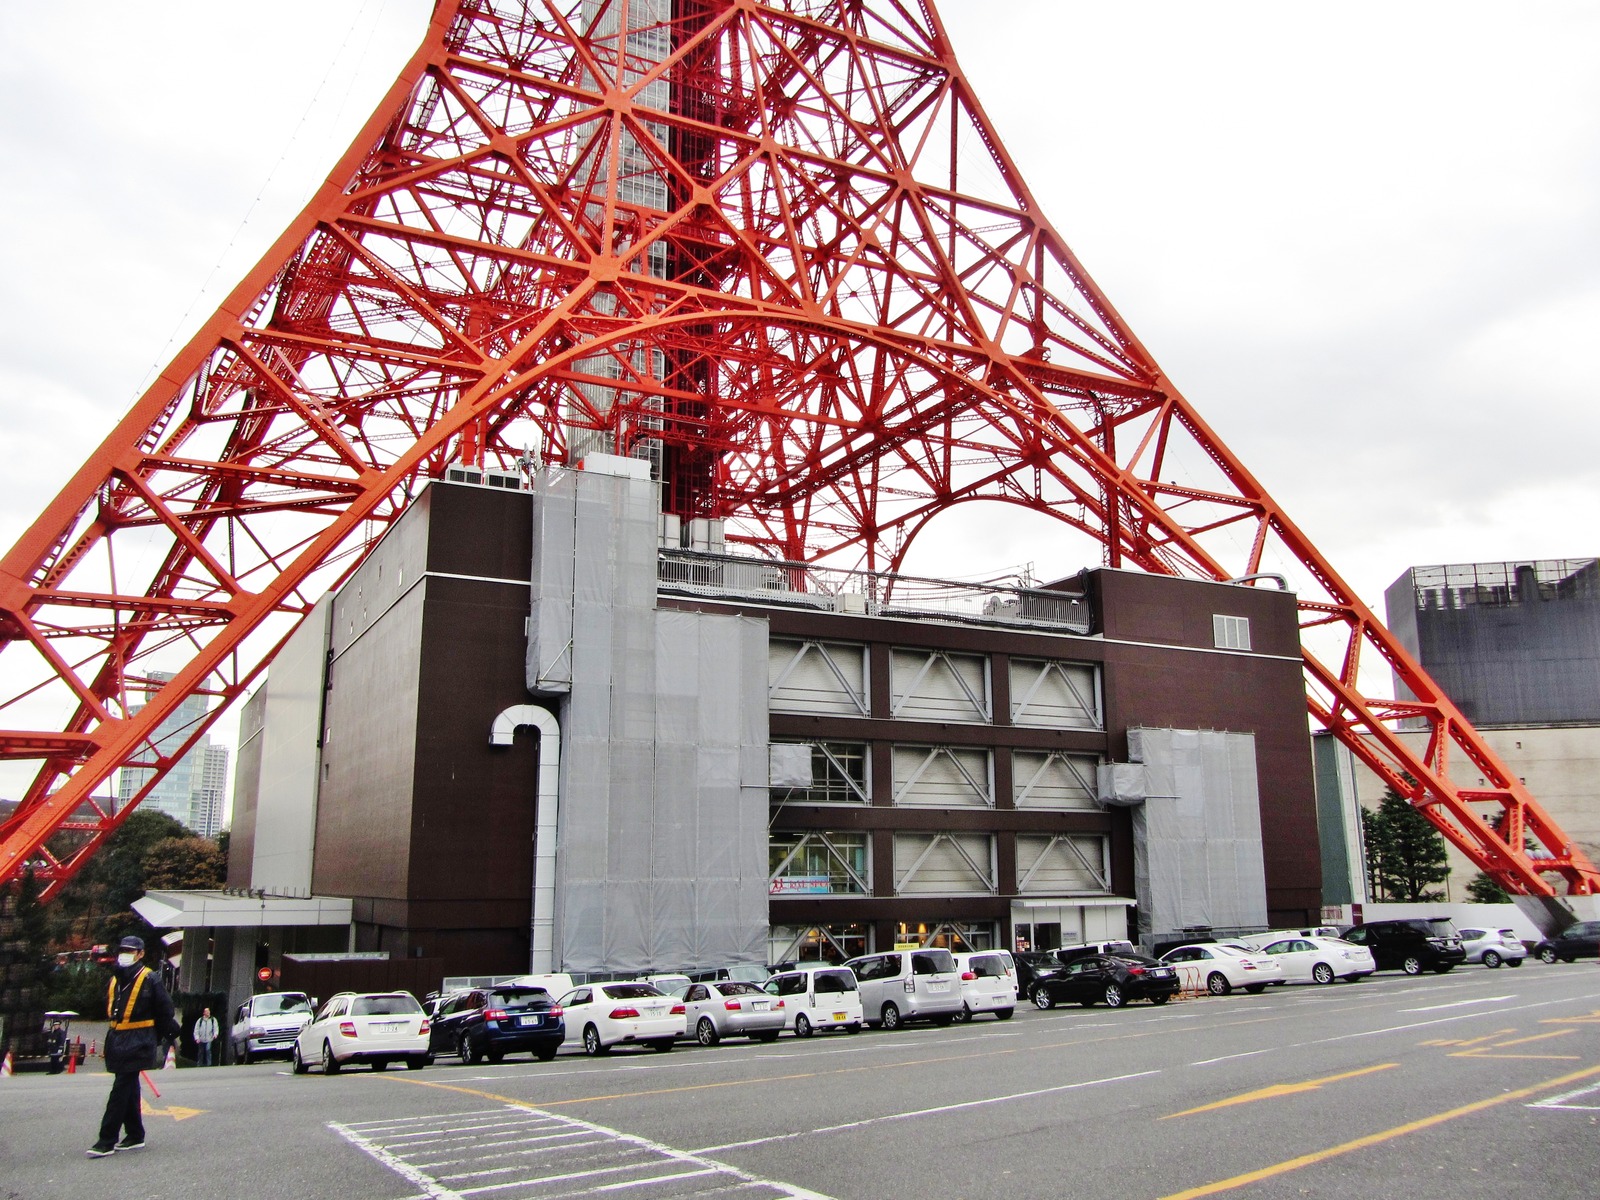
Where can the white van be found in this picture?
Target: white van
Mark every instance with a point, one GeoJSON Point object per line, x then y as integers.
{"type": "Point", "coordinates": [908, 985]}
{"type": "Point", "coordinates": [988, 984]}
{"type": "Point", "coordinates": [818, 997]}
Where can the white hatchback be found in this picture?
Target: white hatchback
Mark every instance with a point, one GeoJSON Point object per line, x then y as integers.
{"type": "Point", "coordinates": [609, 1014]}
{"type": "Point", "coordinates": [1320, 960]}
{"type": "Point", "coordinates": [818, 996]}
{"type": "Point", "coordinates": [1219, 969]}
{"type": "Point", "coordinates": [987, 984]}
{"type": "Point", "coordinates": [371, 1027]}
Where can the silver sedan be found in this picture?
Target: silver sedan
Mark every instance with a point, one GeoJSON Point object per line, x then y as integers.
{"type": "Point", "coordinates": [729, 1008]}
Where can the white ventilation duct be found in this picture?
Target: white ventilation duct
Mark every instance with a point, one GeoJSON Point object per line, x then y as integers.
{"type": "Point", "coordinates": [541, 940]}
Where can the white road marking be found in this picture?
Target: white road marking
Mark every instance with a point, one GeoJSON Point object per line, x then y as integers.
{"type": "Point", "coordinates": [1561, 1100]}
{"type": "Point", "coordinates": [431, 1187]}
{"type": "Point", "coordinates": [922, 1112]}
{"type": "Point", "coordinates": [1205, 1062]}
{"type": "Point", "coordinates": [1459, 1003]}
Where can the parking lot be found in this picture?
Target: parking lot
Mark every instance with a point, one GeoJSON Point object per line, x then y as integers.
{"type": "Point", "coordinates": [1475, 1083]}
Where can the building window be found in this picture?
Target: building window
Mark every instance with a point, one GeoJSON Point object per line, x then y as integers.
{"type": "Point", "coordinates": [958, 937]}
{"type": "Point", "coordinates": [817, 677]}
{"type": "Point", "coordinates": [832, 943]}
{"type": "Point", "coordinates": [1055, 695]}
{"type": "Point", "coordinates": [838, 776]}
{"type": "Point", "coordinates": [943, 777]}
{"type": "Point", "coordinates": [931, 685]}
{"type": "Point", "coordinates": [944, 864]}
{"type": "Point", "coordinates": [1063, 865]}
{"type": "Point", "coordinates": [1053, 780]}
{"type": "Point", "coordinates": [814, 862]}
{"type": "Point", "coordinates": [1230, 633]}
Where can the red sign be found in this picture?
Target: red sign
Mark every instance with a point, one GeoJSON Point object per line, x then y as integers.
{"type": "Point", "coordinates": [264, 973]}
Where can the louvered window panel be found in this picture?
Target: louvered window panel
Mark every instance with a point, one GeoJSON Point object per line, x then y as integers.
{"type": "Point", "coordinates": [931, 685]}
{"type": "Point", "coordinates": [942, 777]}
{"type": "Point", "coordinates": [1066, 864]}
{"type": "Point", "coordinates": [817, 677]}
{"type": "Point", "coordinates": [943, 864]}
{"type": "Point", "coordinates": [1054, 780]}
{"type": "Point", "coordinates": [1055, 695]}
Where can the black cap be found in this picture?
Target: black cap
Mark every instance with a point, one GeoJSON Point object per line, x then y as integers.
{"type": "Point", "coordinates": [131, 943]}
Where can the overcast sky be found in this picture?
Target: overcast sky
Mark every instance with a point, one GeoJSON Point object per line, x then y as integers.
{"type": "Point", "coordinates": [1363, 239]}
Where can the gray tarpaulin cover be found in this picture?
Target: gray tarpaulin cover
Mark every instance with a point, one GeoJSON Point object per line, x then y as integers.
{"type": "Point", "coordinates": [663, 844]}
{"type": "Point", "coordinates": [1197, 836]}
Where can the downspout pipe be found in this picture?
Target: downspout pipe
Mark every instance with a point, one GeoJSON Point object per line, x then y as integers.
{"type": "Point", "coordinates": [502, 732]}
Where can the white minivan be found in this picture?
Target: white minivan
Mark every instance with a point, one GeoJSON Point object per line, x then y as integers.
{"type": "Point", "coordinates": [908, 985]}
{"type": "Point", "coordinates": [818, 997]}
{"type": "Point", "coordinates": [987, 984]}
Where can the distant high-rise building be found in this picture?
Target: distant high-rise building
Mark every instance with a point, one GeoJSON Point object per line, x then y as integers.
{"type": "Point", "coordinates": [194, 791]}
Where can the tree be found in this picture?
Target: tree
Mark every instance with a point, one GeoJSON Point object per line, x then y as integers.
{"type": "Point", "coordinates": [97, 903]}
{"type": "Point", "coordinates": [1405, 854]}
{"type": "Point", "coordinates": [183, 863]}
{"type": "Point", "coordinates": [1482, 889]}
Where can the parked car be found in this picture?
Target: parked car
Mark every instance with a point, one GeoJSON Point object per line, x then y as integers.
{"type": "Point", "coordinates": [1576, 941]}
{"type": "Point", "coordinates": [1491, 947]}
{"type": "Point", "coordinates": [493, 1022]}
{"type": "Point", "coordinates": [1113, 978]}
{"type": "Point", "coordinates": [1258, 940]}
{"type": "Point", "coordinates": [1030, 965]}
{"type": "Point", "coordinates": [265, 1026]}
{"type": "Point", "coordinates": [743, 972]}
{"type": "Point", "coordinates": [1320, 960]}
{"type": "Point", "coordinates": [908, 985]}
{"type": "Point", "coordinates": [1219, 969]}
{"type": "Point", "coordinates": [1412, 944]}
{"type": "Point", "coordinates": [818, 997]}
{"type": "Point", "coordinates": [988, 984]}
{"type": "Point", "coordinates": [730, 1008]}
{"type": "Point", "coordinates": [608, 1014]}
{"type": "Point", "coordinates": [371, 1027]}
{"type": "Point", "coordinates": [1066, 954]}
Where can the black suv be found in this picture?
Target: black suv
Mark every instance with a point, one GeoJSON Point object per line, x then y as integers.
{"type": "Point", "coordinates": [1413, 945]}
{"type": "Point", "coordinates": [1576, 941]}
{"type": "Point", "coordinates": [493, 1022]}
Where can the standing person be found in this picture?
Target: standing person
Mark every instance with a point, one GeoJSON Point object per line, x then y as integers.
{"type": "Point", "coordinates": [55, 1045]}
{"type": "Point", "coordinates": [205, 1032]}
{"type": "Point", "coordinates": [140, 1012]}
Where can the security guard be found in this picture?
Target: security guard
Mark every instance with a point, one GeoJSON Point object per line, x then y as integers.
{"type": "Point", "coordinates": [141, 1016]}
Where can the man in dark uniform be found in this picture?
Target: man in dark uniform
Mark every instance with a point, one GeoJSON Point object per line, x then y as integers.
{"type": "Point", "coordinates": [140, 1012]}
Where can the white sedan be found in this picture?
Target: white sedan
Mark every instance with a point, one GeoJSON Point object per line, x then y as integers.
{"type": "Point", "coordinates": [1321, 960]}
{"type": "Point", "coordinates": [1220, 969]}
{"type": "Point", "coordinates": [606, 1014]}
{"type": "Point", "coordinates": [372, 1027]}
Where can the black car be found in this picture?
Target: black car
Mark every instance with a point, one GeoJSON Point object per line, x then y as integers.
{"type": "Point", "coordinates": [491, 1023]}
{"type": "Point", "coordinates": [1576, 941]}
{"type": "Point", "coordinates": [1113, 978]}
{"type": "Point", "coordinates": [1412, 945]}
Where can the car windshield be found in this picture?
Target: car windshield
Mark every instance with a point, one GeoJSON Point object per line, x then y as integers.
{"type": "Point", "coordinates": [384, 1006]}
{"type": "Point", "coordinates": [518, 998]}
{"type": "Point", "coordinates": [731, 987]}
{"type": "Point", "coordinates": [631, 991]}
{"type": "Point", "coordinates": [289, 1002]}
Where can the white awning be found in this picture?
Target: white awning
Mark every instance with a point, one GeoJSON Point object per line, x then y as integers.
{"type": "Point", "coordinates": [1078, 901]}
{"type": "Point", "coordinates": [218, 909]}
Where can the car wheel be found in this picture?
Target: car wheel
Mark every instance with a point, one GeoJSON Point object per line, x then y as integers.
{"type": "Point", "coordinates": [1444, 968]}
{"type": "Point", "coordinates": [1002, 1014]}
{"type": "Point", "coordinates": [1042, 998]}
{"type": "Point", "coordinates": [545, 1053]}
{"type": "Point", "coordinates": [467, 1051]}
{"type": "Point", "coordinates": [1412, 965]}
{"type": "Point", "coordinates": [330, 1064]}
{"type": "Point", "coordinates": [1217, 984]}
{"type": "Point", "coordinates": [1255, 989]}
{"type": "Point", "coordinates": [891, 1017]}
{"type": "Point", "coordinates": [380, 1064]}
{"type": "Point", "coordinates": [301, 1066]}
{"type": "Point", "coordinates": [802, 1026]}
{"type": "Point", "coordinates": [705, 1032]}
{"type": "Point", "coordinates": [1547, 955]}
{"type": "Point", "coordinates": [1513, 962]}
{"type": "Point", "coordinates": [1114, 996]}
{"type": "Point", "coordinates": [661, 1045]}
{"type": "Point", "coordinates": [592, 1043]}
{"type": "Point", "coordinates": [1491, 959]}
{"type": "Point", "coordinates": [1322, 973]}
{"type": "Point", "coordinates": [963, 1016]}
{"type": "Point", "coordinates": [416, 1062]}
{"type": "Point", "coordinates": [853, 1027]}
{"type": "Point", "coordinates": [1158, 1001]}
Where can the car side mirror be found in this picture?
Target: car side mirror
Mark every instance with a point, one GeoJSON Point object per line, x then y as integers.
{"type": "Point", "coordinates": [315, 1000]}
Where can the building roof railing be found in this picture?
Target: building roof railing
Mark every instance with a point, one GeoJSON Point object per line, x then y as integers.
{"type": "Point", "coordinates": [1503, 583]}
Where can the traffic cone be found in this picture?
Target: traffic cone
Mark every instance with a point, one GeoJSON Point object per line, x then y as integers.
{"type": "Point", "coordinates": [72, 1064]}
{"type": "Point", "coordinates": [172, 1059]}
{"type": "Point", "coordinates": [5, 1064]}
{"type": "Point", "coordinates": [94, 1047]}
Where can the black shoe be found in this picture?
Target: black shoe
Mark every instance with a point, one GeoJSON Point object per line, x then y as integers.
{"type": "Point", "coordinates": [101, 1150]}
{"type": "Point", "coordinates": [129, 1143]}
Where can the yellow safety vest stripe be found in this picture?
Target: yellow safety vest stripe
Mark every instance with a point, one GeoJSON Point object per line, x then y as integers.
{"type": "Point", "coordinates": [133, 998]}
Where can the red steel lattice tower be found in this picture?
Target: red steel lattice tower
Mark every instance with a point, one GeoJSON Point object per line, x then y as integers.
{"type": "Point", "coordinates": [778, 249]}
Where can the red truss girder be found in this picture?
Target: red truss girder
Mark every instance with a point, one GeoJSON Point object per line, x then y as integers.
{"type": "Point", "coordinates": [777, 244]}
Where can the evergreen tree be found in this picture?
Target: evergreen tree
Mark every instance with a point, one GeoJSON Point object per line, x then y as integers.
{"type": "Point", "coordinates": [1405, 854]}
{"type": "Point", "coordinates": [1482, 889]}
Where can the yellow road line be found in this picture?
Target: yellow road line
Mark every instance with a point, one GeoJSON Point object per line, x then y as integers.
{"type": "Point", "coordinates": [1373, 1139]}
{"type": "Point", "coordinates": [1538, 1037]}
{"type": "Point", "coordinates": [1278, 1089]}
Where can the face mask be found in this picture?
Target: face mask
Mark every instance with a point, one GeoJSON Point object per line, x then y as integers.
{"type": "Point", "coordinates": [126, 959]}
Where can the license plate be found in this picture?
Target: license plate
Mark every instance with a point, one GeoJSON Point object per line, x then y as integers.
{"type": "Point", "coordinates": [760, 1005]}
{"type": "Point", "coordinates": [388, 1026]}
{"type": "Point", "coordinates": [838, 1016]}
{"type": "Point", "coordinates": [530, 1020]}
{"type": "Point", "coordinates": [652, 1012]}
{"type": "Point", "coordinates": [936, 986]}
{"type": "Point", "coordinates": [1162, 972]}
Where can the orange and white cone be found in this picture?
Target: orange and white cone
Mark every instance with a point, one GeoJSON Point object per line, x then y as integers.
{"type": "Point", "coordinates": [5, 1064]}
{"type": "Point", "coordinates": [172, 1059]}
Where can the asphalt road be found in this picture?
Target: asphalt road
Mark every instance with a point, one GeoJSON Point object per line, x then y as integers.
{"type": "Point", "coordinates": [1474, 1084]}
